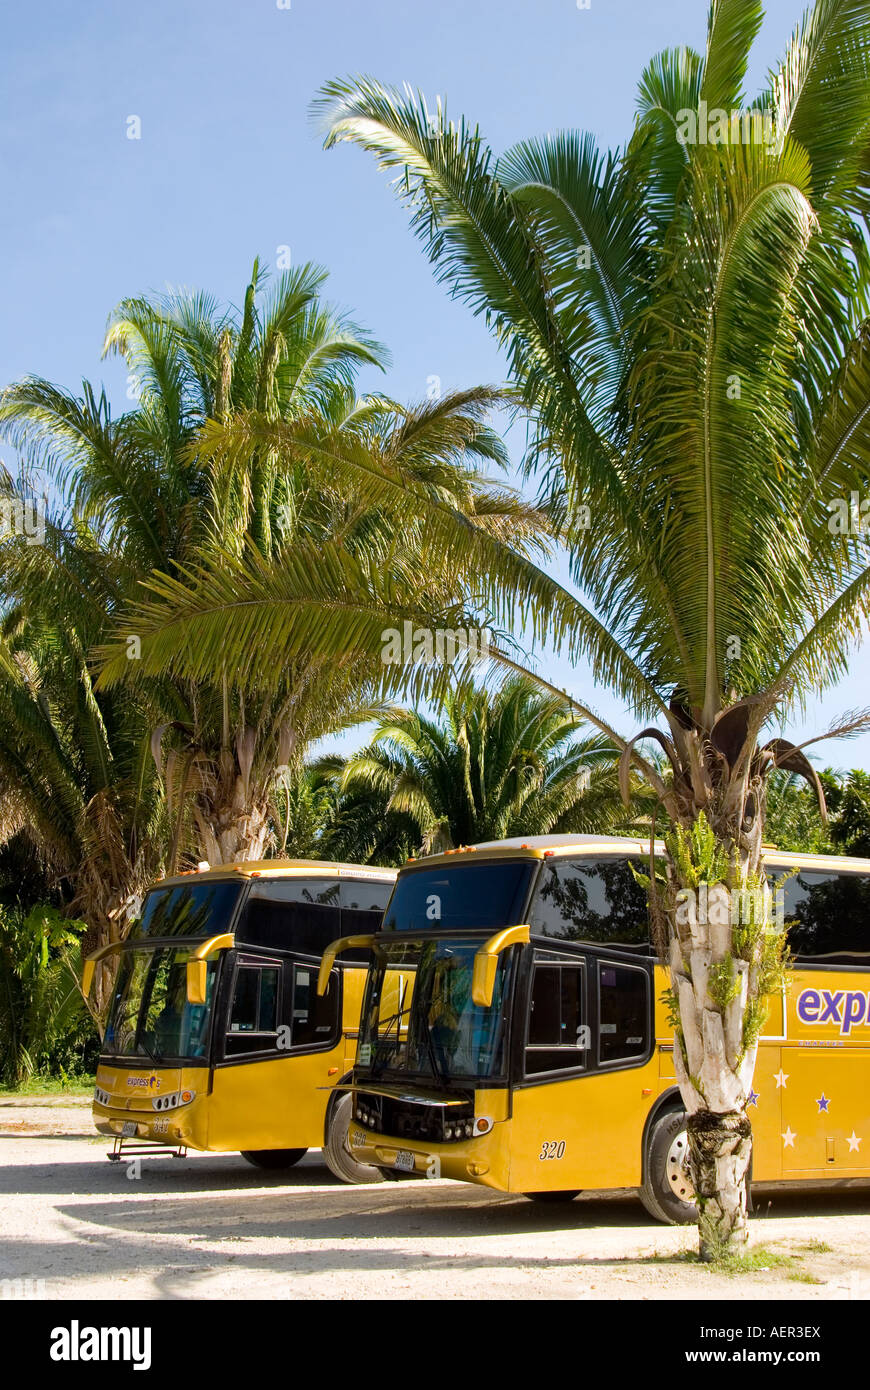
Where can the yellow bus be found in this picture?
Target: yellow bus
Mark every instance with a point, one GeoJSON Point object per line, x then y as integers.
{"type": "Point", "coordinates": [531, 1051]}
{"type": "Point", "coordinates": [216, 1037]}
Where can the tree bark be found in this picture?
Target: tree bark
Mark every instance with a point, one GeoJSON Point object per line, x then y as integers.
{"type": "Point", "coordinates": [715, 958]}
{"type": "Point", "coordinates": [719, 1151]}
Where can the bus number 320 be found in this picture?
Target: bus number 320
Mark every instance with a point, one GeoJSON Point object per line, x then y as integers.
{"type": "Point", "coordinates": [554, 1148]}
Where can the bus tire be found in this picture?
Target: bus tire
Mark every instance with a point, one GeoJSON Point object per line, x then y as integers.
{"type": "Point", "coordinates": [273, 1158]}
{"type": "Point", "coordinates": [666, 1191]}
{"type": "Point", "coordinates": [336, 1150]}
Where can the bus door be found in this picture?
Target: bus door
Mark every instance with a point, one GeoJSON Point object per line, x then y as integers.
{"type": "Point", "coordinates": [585, 1068]}
{"type": "Point", "coordinates": [280, 1043]}
{"type": "Point", "coordinates": [584, 1073]}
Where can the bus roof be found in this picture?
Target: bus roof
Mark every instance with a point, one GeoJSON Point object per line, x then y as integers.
{"type": "Point", "coordinates": [563, 846]}
{"type": "Point", "coordinates": [285, 868]}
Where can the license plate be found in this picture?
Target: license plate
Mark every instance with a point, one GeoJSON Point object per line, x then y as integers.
{"type": "Point", "coordinates": [404, 1161]}
{"type": "Point", "coordinates": [128, 1129]}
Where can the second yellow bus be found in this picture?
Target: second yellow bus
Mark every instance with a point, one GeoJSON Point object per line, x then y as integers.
{"type": "Point", "coordinates": [531, 1052]}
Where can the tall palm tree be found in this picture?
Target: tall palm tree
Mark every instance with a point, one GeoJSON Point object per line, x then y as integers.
{"type": "Point", "coordinates": [487, 765]}
{"type": "Point", "coordinates": [686, 323]}
{"type": "Point", "coordinates": [157, 499]}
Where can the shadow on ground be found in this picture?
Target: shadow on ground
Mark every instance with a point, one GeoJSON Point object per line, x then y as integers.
{"type": "Point", "coordinates": [182, 1221]}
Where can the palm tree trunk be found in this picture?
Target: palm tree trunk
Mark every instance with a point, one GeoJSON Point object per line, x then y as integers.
{"type": "Point", "coordinates": [231, 833]}
{"type": "Point", "coordinates": [720, 1146]}
{"type": "Point", "coordinates": [719, 958]}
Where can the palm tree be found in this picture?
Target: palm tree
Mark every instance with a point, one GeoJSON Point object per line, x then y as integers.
{"type": "Point", "coordinates": [78, 794]}
{"type": "Point", "coordinates": [849, 796]}
{"type": "Point", "coordinates": [355, 825]}
{"type": "Point", "coordinates": [489, 764]}
{"type": "Point", "coordinates": [156, 499]}
{"type": "Point", "coordinates": [686, 324]}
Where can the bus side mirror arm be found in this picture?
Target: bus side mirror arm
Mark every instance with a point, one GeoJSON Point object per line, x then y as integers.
{"type": "Point", "coordinates": [197, 968]}
{"type": "Point", "coordinates": [344, 943]}
{"type": "Point", "coordinates": [486, 962]}
{"type": "Point", "coordinates": [90, 965]}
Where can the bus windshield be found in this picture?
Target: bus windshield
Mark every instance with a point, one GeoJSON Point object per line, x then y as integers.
{"type": "Point", "coordinates": [200, 908]}
{"type": "Point", "coordinates": [462, 896]}
{"type": "Point", "coordinates": [419, 1018]}
{"type": "Point", "coordinates": [150, 1015]}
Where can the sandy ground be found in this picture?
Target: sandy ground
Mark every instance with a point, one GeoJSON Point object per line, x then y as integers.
{"type": "Point", "coordinates": [211, 1226]}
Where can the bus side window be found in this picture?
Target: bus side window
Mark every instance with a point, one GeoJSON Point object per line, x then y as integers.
{"type": "Point", "coordinates": [623, 1011]}
{"type": "Point", "coordinates": [254, 1014]}
{"type": "Point", "coordinates": [596, 900]}
{"type": "Point", "coordinates": [314, 1021]}
{"type": "Point", "coordinates": [362, 903]}
{"type": "Point", "coordinates": [558, 1036]}
{"type": "Point", "coordinates": [827, 915]}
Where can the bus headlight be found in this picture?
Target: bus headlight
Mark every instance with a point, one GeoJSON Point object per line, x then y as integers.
{"type": "Point", "coordinates": [482, 1125]}
{"type": "Point", "coordinates": [173, 1101]}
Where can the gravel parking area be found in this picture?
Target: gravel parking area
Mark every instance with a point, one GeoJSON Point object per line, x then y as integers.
{"type": "Point", "coordinates": [76, 1226]}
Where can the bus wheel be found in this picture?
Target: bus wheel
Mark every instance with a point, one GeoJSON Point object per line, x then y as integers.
{"type": "Point", "coordinates": [337, 1152]}
{"type": "Point", "coordinates": [667, 1191]}
{"type": "Point", "coordinates": [552, 1196]}
{"type": "Point", "coordinates": [273, 1158]}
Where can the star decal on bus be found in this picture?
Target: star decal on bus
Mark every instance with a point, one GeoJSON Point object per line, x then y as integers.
{"type": "Point", "coordinates": [781, 1078]}
{"type": "Point", "coordinates": [752, 1099]}
{"type": "Point", "coordinates": [854, 1143]}
{"type": "Point", "coordinates": [788, 1139]}
{"type": "Point", "coordinates": [823, 1102]}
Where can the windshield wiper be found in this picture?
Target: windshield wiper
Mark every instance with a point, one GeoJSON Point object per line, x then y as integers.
{"type": "Point", "coordinates": [382, 1037]}
{"type": "Point", "coordinates": [140, 1042]}
{"type": "Point", "coordinates": [430, 1049]}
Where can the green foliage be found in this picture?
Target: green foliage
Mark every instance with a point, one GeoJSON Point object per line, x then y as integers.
{"type": "Point", "coordinates": [696, 854]}
{"type": "Point", "coordinates": [487, 765]}
{"type": "Point", "coordinates": [45, 1028]}
{"type": "Point", "coordinates": [849, 804]}
{"type": "Point", "coordinates": [723, 984]}
{"type": "Point", "coordinates": [793, 820]}
{"type": "Point", "coordinates": [671, 1004]}
{"type": "Point", "coordinates": [763, 942]}
{"type": "Point", "coordinates": [698, 379]}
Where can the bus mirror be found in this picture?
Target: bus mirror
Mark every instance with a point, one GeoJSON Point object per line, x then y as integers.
{"type": "Point", "coordinates": [344, 943]}
{"type": "Point", "coordinates": [196, 981]}
{"type": "Point", "coordinates": [486, 962]}
{"type": "Point", "coordinates": [90, 965]}
{"type": "Point", "coordinates": [197, 970]}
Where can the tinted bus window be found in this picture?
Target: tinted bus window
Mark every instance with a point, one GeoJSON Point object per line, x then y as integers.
{"type": "Point", "coordinates": [596, 900]}
{"type": "Point", "coordinates": [151, 1015]}
{"type": "Point", "coordinates": [362, 905]}
{"type": "Point", "coordinates": [314, 1020]}
{"type": "Point", "coordinates": [558, 1034]}
{"type": "Point", "coordinates": [298, 914]}
{"type": "Point", "coordinates": [460, 896]}
{"type": "Point", "coordinates": [623, 1007]}
{"type": "Point", "coordinates": [828, 916]}
{"type": "Point", "coordinates": [254, 1013]}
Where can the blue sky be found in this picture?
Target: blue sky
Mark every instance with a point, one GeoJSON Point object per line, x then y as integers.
{"type": "Point", "coordinates": [230, 166]}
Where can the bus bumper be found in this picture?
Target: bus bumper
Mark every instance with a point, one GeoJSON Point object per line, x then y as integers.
{"type": "Point", "coordinates": [483, 1160]}
{"type": "Point", "coordinates": [128, 1105]}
